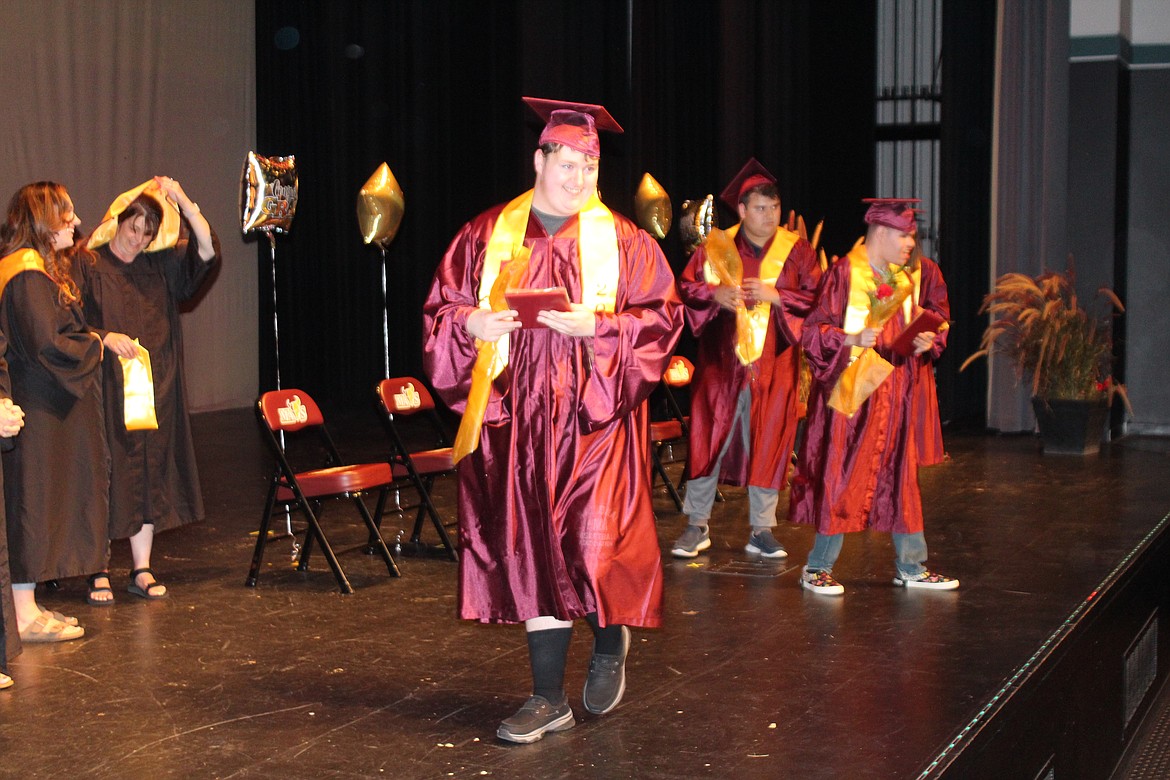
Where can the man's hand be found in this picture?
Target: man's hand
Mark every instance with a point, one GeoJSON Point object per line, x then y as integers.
{"type": "Point", "coordinates": [866, 338]}
{"type": "Point", "coordinates": [756, 290]}
{"type": "Point", "coordinates": [490, 325]}
{"type": "Point", "coordinates": [923, 342]}
{"type": "Point", "coordinates": [728, 297]}
{"type": "Point", "coordinates": [579, 322]}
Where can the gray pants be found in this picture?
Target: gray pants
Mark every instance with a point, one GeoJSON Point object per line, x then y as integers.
{"type": "Point", "coordinates": [701, 490]}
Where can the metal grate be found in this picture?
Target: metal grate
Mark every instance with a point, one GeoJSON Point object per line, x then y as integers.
{"type": "Point", "coordinates": [1141, 666]}
{"type": "Point", "coordinates": [743, 568]}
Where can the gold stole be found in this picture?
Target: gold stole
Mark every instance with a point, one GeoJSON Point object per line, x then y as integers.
{"type": "Point", "coordinates": [597, 248]}
{"type": "Point", "coordinates": [750, 339]}
{"type": "Point", "coordinates": [18, 261]}
{"type": "Point", "coordinates": [867, 369]}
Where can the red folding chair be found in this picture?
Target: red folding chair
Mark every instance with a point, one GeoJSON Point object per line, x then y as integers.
{"type": "Point", "coordinates": [665, 433]}
{"type": "Point", "coordinates": [406, 396]}
{"type": "Point", "coordinates": [293, 413]}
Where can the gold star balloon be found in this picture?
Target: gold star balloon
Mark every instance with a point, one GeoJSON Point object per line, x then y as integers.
{"type": "Point", "coordinates": [652, 207]}
{"type": "Point", "coordinates": [380, 205]}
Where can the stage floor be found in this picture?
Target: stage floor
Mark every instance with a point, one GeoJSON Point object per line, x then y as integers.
{"type": "Point", "coordinates": [750, 677]}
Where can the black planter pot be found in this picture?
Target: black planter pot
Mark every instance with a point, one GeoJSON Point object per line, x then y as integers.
{"type": "Point", "coordinates": [1071, 427]}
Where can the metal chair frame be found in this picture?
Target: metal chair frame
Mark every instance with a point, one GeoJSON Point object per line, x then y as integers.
{"type": "Point", "coordinates": [293, 411]}
{"type": "Point", "coordinates": [406, 396]}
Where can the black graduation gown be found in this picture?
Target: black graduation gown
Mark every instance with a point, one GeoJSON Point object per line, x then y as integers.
{"type": "Point", "coordinates": [56, 485]}
{"type": "Point", "coordinates": [154, 477]}
{"type": "Point", "coordinates": [9, 636]}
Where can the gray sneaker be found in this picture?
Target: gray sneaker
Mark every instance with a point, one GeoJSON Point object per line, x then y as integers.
{"type": "Point", "coordinates": [606, 681]}
{"type": "Point", "coordinates": [535, 718]}
{"type": "Point", "coordinates": [692, 542]}
{"type": "Point", "coordinates": [763, 543]}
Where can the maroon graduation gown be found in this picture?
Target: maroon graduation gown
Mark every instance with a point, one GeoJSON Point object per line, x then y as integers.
{"type": "Point", "coordinates": [554, 506]}
{"type": "Point", "coordinates": [720, 376]}
{"type": "Point", "coordinates": [928, 426]}
{"type": "Point", "coordinates": [153, 475]}
{"type": "Point", "coordinates": [861, 472]}
{"type": "Point", "coordinates": [56, 479]}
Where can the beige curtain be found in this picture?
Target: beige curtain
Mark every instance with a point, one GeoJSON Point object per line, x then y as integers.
{"type": "Point", "coordinates": [101, 95]}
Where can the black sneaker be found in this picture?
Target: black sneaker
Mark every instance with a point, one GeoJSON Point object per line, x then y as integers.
{"type": "Point", "coordinates": [534, 718]}
{"type": "Point", "coordinates": [606, 681]}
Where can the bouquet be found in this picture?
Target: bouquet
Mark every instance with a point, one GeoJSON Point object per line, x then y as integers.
{"type": "Point", "coordinates": [867, 369]}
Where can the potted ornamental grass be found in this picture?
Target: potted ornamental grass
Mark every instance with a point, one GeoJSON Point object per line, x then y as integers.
{"type": "Point", "coordinates": [1065, 350]}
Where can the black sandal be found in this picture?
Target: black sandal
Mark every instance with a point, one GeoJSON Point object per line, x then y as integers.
{"type": "Point", "coordinates": [94, 589]}
{"type": "Point", "coordinates": [144, 593]}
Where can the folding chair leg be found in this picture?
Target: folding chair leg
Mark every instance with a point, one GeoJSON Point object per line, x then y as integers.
{"type": "Point", "coordinates": [262, 538]}
{"type": "Point", "coordinates": [326, 550]}
{"type": "Point", "coordinates": [375, 534]}
{"type": "Point", "coordinates": [428, 506]}
{"type": "Point", "coordinates": [372, 543]}
{"type": "Point", "coordinates": [670, 489]}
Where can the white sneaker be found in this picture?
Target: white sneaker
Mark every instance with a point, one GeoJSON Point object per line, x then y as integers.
{"type": "Point", "coordinates": [820, 582]}
{"type": "Point", "coordinates": [927, 580]}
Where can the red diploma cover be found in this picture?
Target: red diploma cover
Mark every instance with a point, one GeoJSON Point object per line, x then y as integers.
{"type": "Point", "coordinates": [927, 321]}
{"type": "Point", "coordinates": [528, 303]}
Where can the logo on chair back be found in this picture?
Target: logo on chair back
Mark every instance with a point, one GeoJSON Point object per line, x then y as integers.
{"type": "Point", "coordinates": [408, 398]}
{"type": "Point", "coordinates": [293, 411]}
{"type": "Point", "coordinates": [678, 372]}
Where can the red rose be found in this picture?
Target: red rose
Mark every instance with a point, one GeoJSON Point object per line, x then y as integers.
{"type": "Point", "coordinates": [884, 291]}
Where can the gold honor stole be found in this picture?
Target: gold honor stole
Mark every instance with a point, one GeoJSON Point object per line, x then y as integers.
{"type": "Point", "coordinates": [750, 340]}
{"type": "Point", "coordinates": [18, 261]}
{"type": "Point", "coordinates": [867, 369]}
{"type": "Point", "coordinates": [596, 245]}
{"type": "Point", "coordinates": [598, 255]}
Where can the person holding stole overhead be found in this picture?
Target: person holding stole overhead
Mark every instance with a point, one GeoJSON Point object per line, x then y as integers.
{"type": "Point", "coordinates": [152, 252]}
{"type": "Point", "coordinates": [743, 402]}
{"type": "Point", "coordinates": [555, 512]}
{"type": "Point", "coordinates": [858, 464]}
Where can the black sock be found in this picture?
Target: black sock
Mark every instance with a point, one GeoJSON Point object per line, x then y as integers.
{"type": "Point", "coordinates": [546, 654]}
{"type": "Point", "coordinates": [608, 640]}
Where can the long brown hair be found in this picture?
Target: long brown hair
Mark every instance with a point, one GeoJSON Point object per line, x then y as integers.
{"type": "Point", "coordinates": [35, 212]}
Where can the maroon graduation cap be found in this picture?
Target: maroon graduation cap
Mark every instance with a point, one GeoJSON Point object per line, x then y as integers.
{"type": "Point", "coordinates": [574, 125]}
{"type": "Point", "coordinates": [896, 213]}
{"type": "Point", "coordinates": [752, 174]}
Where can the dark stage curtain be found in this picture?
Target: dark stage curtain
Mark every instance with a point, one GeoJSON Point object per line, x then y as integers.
{"type": "Point", "coordinates": [433, 88]}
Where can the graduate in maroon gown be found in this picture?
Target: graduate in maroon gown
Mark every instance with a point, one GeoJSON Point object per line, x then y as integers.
{"type": "Point", "coordinates": [555, 513]}
{"type": "Point", "coordinates": [858, 465]}
{"type": "Point", "coordinates": [743, 402]}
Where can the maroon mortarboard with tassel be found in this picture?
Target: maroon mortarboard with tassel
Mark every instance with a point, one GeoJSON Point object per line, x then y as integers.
{"type": "Point", "coordinates": [574, 125]}
{"type": "Point", "coordinates": [896, 213]}
{"type": "Point", "coordinates": [752, 174]}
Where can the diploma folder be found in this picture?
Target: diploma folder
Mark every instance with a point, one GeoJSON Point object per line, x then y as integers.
{"type": "Point", "coordinates": [927, 321]}
{"type": "Point", "coordinates": [528, 303]}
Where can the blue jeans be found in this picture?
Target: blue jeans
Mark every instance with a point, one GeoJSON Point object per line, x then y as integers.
{"type": "Point", "coordinates": [909, 552]}
{"type": "Point", "coordinates": [701, 491]}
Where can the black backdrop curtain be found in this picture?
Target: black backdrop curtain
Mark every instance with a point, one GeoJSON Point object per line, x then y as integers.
{"type": "Point", "coordinates": [433, 88]}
